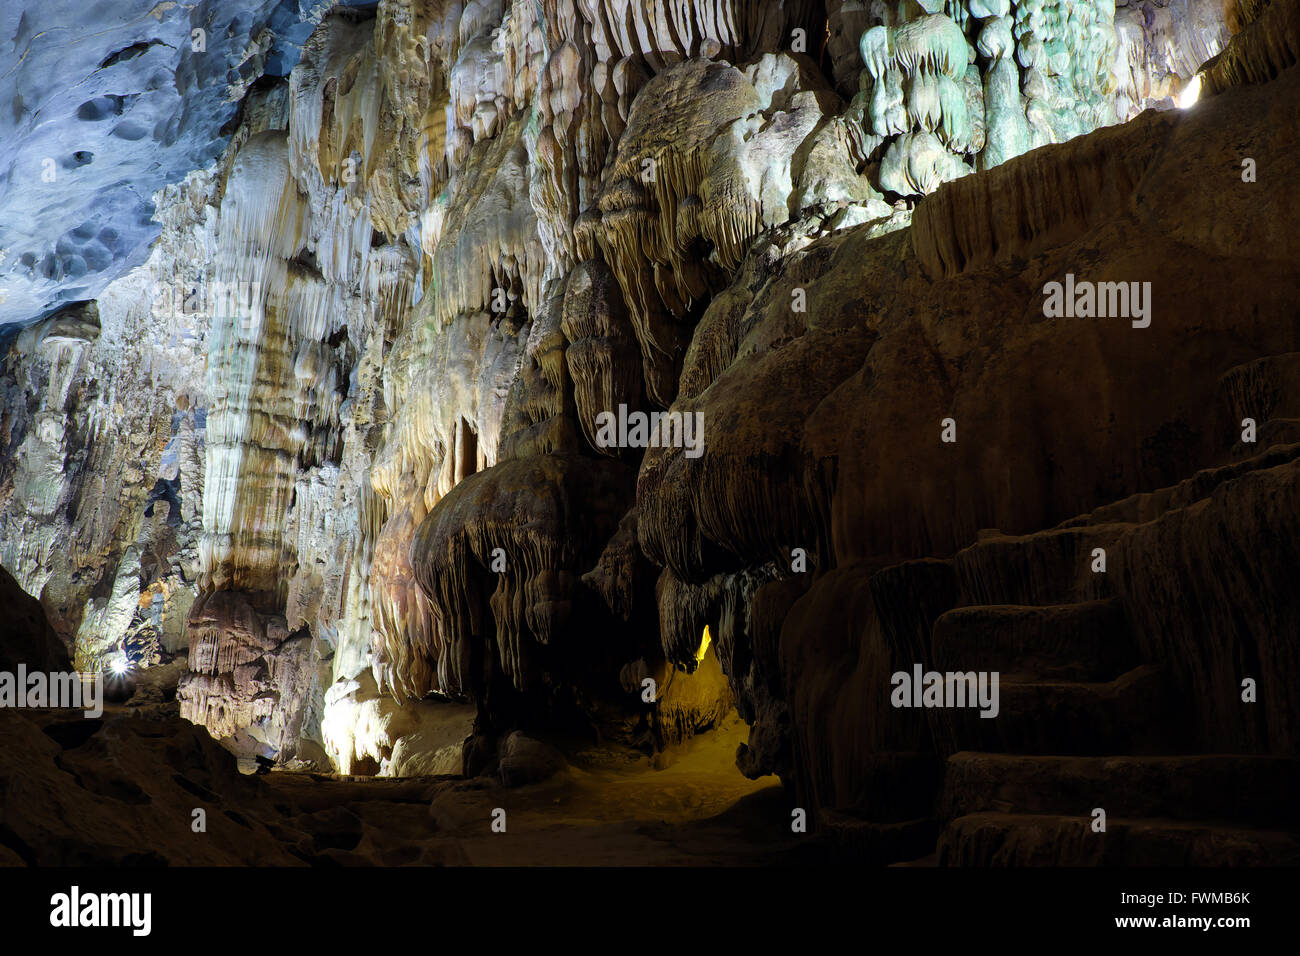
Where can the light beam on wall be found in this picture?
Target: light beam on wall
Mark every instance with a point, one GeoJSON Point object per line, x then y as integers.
{"type": "Point", "coordinates": [705, 640]}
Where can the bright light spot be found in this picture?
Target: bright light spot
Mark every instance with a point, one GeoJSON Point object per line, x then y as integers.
{"type": "Point", "coordinates": [1191, 92]}
{"type": "Point", "coordinates": [119, 666]}
{"type": "Point", "coordinates": [705, 641]}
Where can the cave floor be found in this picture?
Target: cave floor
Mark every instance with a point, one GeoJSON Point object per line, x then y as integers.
{"type": "Point", "coordinates": [605, 809]}
{"type": "Point", "coordinates": [130, 788]}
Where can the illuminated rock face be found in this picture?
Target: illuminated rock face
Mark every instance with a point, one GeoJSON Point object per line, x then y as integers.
{"type": "Point", "coordinates": [968, 85]}
{"type": "Point", "coordinates": [103, 108]}
{"type": "Point", "coordinates": [339, 440]}
{"type": "Point", "coordinates": [1161, 46]}
{"type": "Point", "coordinates": [250, 678]}
{"type": "Point", "coordinates": [104, 471]}
{"type": "Point", "coordinates": [711, 156]}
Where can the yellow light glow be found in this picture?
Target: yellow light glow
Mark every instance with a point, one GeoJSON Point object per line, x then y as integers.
{"type": "Point", "coordinates": [1191, 92]}
{"type": "Point", "coordinates": [705, 641]}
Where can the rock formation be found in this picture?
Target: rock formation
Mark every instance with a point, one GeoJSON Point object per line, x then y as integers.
{"type": "Point", "coordinates": [502, 371]}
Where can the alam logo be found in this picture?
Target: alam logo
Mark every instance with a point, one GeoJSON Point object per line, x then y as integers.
{"type": "Point", "coordinates": [76, 909]}
{"type": "Point", "coordinates": [654, 430]}
{"type": "Point", "coordinates": [37, 689]}
{"type": "Point", "coordinates": [1100, 300]}
{"type": "Point", "coordinates": [951, 689]}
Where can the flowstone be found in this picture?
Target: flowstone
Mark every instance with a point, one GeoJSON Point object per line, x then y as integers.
{"type": "Point", "coordinates": [968, 85]}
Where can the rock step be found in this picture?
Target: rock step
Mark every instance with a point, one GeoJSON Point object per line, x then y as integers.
{"type": "Point", "coordinates": [1033, 839]}
{"type": "Point", "coordinates": [1054, 566]}
{"type": "Point", "coordinates": [1046, 567]}
{"type": "Point", "coordinates": [1245, 789]}
{"type": "Point", "coordinates": [1148, 506]}
{"type": "Point", "coordinates": [1088, 641]}
{"type": "Point", "coordinates": [1135, 713]}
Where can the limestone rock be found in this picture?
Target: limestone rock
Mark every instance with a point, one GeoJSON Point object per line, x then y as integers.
{"type": "Point", "coordinates": [247, 673]}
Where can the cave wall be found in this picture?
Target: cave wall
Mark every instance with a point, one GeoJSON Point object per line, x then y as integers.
{"type": "Point", "coordinates": [338, 440]}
